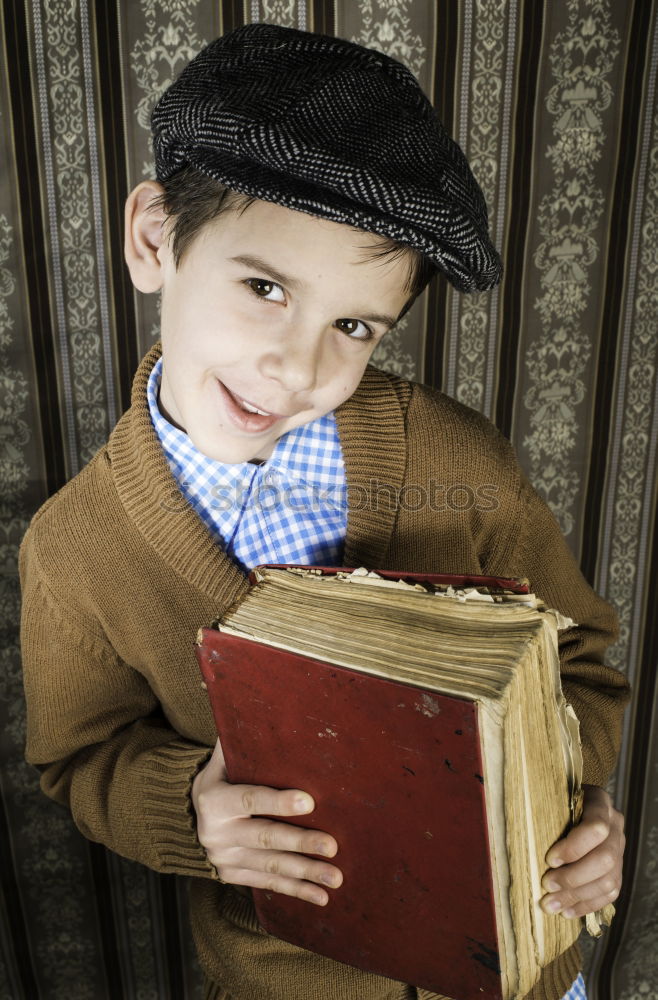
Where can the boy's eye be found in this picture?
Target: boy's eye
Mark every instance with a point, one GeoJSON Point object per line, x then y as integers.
{"type": "Point", "coordinates": [355, 329]}
{"type": "Point", "coordinates": [264, 289]}
{"type": "Point", "coordinates": [270, 291]}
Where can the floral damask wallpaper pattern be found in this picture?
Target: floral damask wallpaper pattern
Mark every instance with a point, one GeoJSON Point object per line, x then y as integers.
{"type": "Point", "coordinates": [555, 105]}
{"type": "Point", "coordinates": [70, 168]}
{"type": "Point", "coordinates": [484, 135]}
{"type": "Point", "coordinates": [569, 216]}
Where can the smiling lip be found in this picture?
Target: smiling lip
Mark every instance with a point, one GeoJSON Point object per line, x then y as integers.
{"type": "Point", "coordinates": [255, 423]}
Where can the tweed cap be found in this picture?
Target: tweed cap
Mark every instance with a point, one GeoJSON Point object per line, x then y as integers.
{"type": "Point", "coordinates": [328, 127]}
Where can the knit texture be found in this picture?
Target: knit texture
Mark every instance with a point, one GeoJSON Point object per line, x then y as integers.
{"type": "Point", "coordinates": [117, 580]}
{"type": "Point", "coordinates": [211, 991]}
{"type": "Point", "coordinates": [328, 127]}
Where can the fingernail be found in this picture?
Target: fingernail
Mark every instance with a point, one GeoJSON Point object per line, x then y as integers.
{"type": "Point", "coordinates": [330, 880]}
{"type": "Point", "coordinates": [555, 862]}
{"type": "Point", "coordinates": [303, 804]}
{"type": "Point", "coordinates": [569, 913]}
{"type": "Point", "coordinates": [553, 905]}
{"type": "Point", "coordinates": [551, 886]}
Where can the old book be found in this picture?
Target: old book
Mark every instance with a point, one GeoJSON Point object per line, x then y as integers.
{"type": "Point", "coordinates": [426, 718]}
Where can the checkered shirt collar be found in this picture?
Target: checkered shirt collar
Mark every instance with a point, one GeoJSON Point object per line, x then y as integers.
{"type": "Point", "coordinates": [309, 456]}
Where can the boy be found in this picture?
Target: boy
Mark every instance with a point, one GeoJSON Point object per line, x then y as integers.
{"type": "Point", "coordinates": [349, 195]}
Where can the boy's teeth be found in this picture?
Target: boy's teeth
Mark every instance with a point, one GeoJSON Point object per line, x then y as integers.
{"type": "Point", "coordinates": [253, 409]}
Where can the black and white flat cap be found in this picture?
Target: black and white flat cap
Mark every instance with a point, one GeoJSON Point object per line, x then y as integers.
{"type": "Point", "coordinates": [328, 127]}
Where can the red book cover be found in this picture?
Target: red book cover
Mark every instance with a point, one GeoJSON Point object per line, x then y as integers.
{"type": "Point", "coordinates": [396, 775]}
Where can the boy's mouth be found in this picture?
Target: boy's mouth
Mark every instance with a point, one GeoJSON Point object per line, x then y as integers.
{"type": "Point", "coordinates": [246, 415]}
{"type": "Point", "coordinates": [250, 408]}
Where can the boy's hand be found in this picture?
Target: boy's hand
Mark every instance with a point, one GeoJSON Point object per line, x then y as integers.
{"type": "Point", "coordinates": [262, 853]}
{"type": "Point", "coordinates": [585, 873]}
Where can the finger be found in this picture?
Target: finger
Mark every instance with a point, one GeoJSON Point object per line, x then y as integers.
{"type": "Point", "coordinates": [283, 884]}
{"type": "Point", "coordinates": [295, 866]}
{"type": "Point", "coordinates": [274, 835]}
{"type": "Point", "coordinates": [210, 777]}
{"type": "Point", "coordinates": [576, 904]}
{"type": "Point", "coordinates": [258, 800]}
{"type": "Point", "coordinates": [604, 862]}
{"type": "Point", "coordinates": [584, 838]}
{"type": "Point", "coordinates": [599, 816]}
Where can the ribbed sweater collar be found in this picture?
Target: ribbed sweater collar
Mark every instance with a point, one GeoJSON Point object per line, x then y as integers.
{"type": "Point", "coordinates": [371, 429]}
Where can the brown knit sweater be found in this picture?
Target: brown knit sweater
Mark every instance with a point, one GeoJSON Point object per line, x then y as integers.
{"type": "Point", "coordinates": [118, 574]}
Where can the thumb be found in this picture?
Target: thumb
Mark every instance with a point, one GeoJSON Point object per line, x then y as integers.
{"type": "Point", "coordinates": [209, 775]}
{"type": "Point", "coordinates": [215, 769]}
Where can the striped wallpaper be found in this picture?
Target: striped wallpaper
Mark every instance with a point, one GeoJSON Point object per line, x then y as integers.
{"type": "Point", "coordinates": [555, 105]}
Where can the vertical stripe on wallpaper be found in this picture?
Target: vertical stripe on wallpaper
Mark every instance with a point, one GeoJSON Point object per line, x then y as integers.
{"type": "Point", "coordinates": [501, 207]}
{"type": "Point", "coordinates": [70, 160]}
{"type": "Point", "coordinates": [569, 234]}
{"type": "Point", "coordinates": [630, 966]}
{"type": "Point", "coordinates": [621, 276]}
{"type": "Point", "coordinates": [113, 142]}
{"type": "Point", "coordinates": [446, 53]}
{"type": "Point", "coordinates": [232, 14]}
{"type": "Point", "coordinates": [520, 188]}
{"type": "Point", "coordinates": [97, 222]}
{"type": "Point", "coordinates": [287, 13]}
{"type": "Point", "coordinates": [323, 17]}
{"type": "Point", "coordinates": [297, 14]}
{"type": "Point", "coordinates": [459, 133]}
{"type": "Point", "coordinates": [482, 129]}
{"type": "Point", "coordinates": [630, 472]}
{"type": "Point", "coordinates": [625, 572]}
{"type": "Point", "coordinates": [34, 313]}
{"type": "Point", "coordinates": [72, 464]}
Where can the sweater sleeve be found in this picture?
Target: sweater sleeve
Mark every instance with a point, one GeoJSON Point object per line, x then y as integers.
{"type": "Point", "coordinates": [97, 733]}
{"type": "Point", "coordinates": [597, 692]}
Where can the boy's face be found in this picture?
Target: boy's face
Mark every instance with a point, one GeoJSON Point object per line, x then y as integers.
{"type": "Point", "coordinates": [269, 323]}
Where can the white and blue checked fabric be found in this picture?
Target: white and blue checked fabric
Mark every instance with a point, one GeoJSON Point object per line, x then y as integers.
{"type": "Point", "coordinates": [577, 991]}
{"type": "Point", "coordinates": [290, 509]}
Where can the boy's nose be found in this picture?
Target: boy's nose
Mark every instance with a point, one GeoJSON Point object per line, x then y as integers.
{"type": "Point", "coordinates": [295, 363]}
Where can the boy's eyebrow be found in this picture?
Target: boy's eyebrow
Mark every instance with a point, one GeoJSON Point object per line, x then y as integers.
{"type": "Point", "coordinates": [282, 279]}
{"type": "Point", "coordinates": [261, 265]}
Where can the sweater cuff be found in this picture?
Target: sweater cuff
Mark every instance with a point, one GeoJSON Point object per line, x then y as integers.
{"type": "Point", "coordinates": [593, 771]}
{"type": "Point", "coordinates": [167, 774]}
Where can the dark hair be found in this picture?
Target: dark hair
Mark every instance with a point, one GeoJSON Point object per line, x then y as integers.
{"type": "Point", "coordinates": [192, 199]}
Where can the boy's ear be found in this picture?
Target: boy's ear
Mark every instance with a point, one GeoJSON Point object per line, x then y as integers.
{"type": "Point", "coordinates": [144, 236]}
